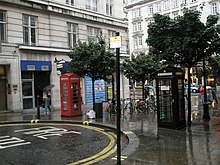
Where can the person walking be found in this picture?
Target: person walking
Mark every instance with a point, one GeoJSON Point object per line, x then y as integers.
{"type": "Point", "coordinates": [46, 102]}
{"type": "Point", "coordinates": [201, 91]}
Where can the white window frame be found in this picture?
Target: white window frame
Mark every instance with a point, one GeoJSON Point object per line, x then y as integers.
{"type": "Point", "coordinates": [72, 32]}
{"type": "Point", "coordinates": [158, 7]}
{"type": "Point", "coordinates": [136, 13]}
{"type": "Point", "coordinates": [139, 26]}
{"type": "Point", "coordinates": [138, 42]}
{"type": "Point", "coordinates": [151, 9]}
{"type": "Point", "coordinates": [166, 5]}
{"type": "Point", "coordinates": [214, 8]}
{"type": "Point", "coordinates": [29, 27]}
{"type": "Point", "coordinates": [175, 3]}
{"type": "Point", "coordinates": [109, 7]}
{"type": "Point", "coordinates": [93, 33]}
{"type": "Point", "coordinates": [70, 2]}
{"type": "Point", "coordinates": [3, 27]}
{"type": "Point", "coordinates": [91, 5]}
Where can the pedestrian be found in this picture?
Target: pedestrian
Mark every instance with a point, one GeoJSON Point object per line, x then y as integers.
{"type": "Point", "coordinates": [46, 101]}
{"type": "Point", "coordinates": [210, 97]}
{"type": "Point", "coordinates": [201, 91]}
{"type": "Point", "coordinates": [214, 96]}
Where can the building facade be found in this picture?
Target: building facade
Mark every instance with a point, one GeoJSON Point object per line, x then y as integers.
{"type": "Point", "coordinates": [37, 34]}
{"type": "Point", "coordinates": [140, 13]}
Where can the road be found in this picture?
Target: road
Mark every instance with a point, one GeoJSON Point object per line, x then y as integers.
{"type": "Point", "coordinates": [54, 143]}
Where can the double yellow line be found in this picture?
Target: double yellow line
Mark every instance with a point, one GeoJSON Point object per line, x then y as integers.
{"type": "Point", "coordinates": [106, 152]}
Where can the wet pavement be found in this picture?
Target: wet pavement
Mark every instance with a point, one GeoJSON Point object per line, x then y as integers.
{"type": "Point", "coordinates": [197, 144]}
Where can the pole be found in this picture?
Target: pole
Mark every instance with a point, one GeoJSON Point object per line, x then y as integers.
{"type": "Point", "coordinates": [205, 104]}
{"type": "Point", "coordinates": [38, 107]}
{"type": "Point", "coordinates": [118, 104]}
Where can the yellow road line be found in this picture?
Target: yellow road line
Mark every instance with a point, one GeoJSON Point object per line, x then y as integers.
{"type": "Point", "coordinates": [106, 152]}
{"type": "Point", "coordinates": [101, 155]}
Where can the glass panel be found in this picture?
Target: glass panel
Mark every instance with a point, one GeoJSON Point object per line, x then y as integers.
{"type": "Point", "coordinates": [181, 100]}
{"type": "Point", "coordinates": [33, 36]}
{"type": "Point", "coordinates": [2, 19]}
{"type": "Point", "coordinates": [33, 21]}
{"type": "Point", "coordinates": [75, 96]}
{"type": "Point", "coordinates": [64, 97]}
{"type": "Point", "coordinates": [25, 33]}
{"type": "Point", "coordinates": [165, 100]}
{"type": "Point", "coordinates": [26, 75]}
{"type": "Point", "coordinates": [27, 88]}
{"type": "Point", "coordinates": [28, 103]}
{"type": "Point", "coordinates": [2, 32]}
{"type": "Point", "coordinates": [25, 20]}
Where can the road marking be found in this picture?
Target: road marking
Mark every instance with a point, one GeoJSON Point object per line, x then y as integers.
{"type": "Point", "coordinates": [85, 123]}
{"type": "Point", "coordinates": [34, 121]}
{"type": "Point", "coordinates": [7, 142]}
{"type": "Point", "coordinates": [128, 132]}
{"type": "Point", "coordinates": [106, 152]}
{"type": "Point", "coordinates": [122, 158]}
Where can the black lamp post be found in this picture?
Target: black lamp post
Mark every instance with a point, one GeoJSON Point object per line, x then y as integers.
{"type": "Point", "coordinates": [205, 103]}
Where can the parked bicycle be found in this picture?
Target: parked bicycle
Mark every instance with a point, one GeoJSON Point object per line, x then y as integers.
{"type": "Point", "coordinates": [111, 108]}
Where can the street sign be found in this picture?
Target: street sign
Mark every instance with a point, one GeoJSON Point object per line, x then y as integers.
{"type": "Point", "coordinates": [115, 42]}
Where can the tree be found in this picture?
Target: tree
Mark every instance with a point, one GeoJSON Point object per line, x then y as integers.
{"type": "Point", "coordinates": [92, 59]}
{"type": "Point", "coordinates": [184, 40]}
{"type": "Point", "coordinates": [141, 67]}
{"type": "Point", "coordinates": [214, 63]}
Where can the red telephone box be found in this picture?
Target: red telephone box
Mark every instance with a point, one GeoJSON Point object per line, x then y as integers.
{"type": "Point", "coordinates": [70, 96]}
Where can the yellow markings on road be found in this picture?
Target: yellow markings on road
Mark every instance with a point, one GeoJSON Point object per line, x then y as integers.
{"type": "Point", "coordinates": [34, 121]}
{"type": "Point", "coordinates": [122, 157]}
{"type": "Point", "coordinates": [85, 123]}
{"type": "Point", "coordinates": [106, 152]}
{"type": "Point", "coordinates": [128, 132]}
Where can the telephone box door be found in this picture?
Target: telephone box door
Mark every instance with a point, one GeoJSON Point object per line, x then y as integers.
{"type": "Point", "coordinates": [70, 95]}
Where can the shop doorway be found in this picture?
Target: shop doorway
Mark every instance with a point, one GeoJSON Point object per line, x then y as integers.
{"type": "Point", "coordinates": [32, 87]}
{"type": "Point", "coordinates": [3, 89]}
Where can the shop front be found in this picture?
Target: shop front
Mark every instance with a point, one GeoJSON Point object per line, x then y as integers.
{"type": "Point", "coordinates": [35, 75]}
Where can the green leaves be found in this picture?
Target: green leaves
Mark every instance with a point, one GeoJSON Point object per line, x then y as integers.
{"type": "Point", "coordinates": [141, 67]}
{"type": "Point", "coordinates": [92, 59]}
{"type": "Point", "coordinates": [184, 40]}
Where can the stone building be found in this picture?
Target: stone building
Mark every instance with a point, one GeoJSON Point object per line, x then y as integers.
{"type": "Point", "coordinates": [37, 34]}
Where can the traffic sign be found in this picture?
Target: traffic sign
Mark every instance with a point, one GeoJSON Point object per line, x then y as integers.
{"type": "Point", "coordinates": [115, 42]}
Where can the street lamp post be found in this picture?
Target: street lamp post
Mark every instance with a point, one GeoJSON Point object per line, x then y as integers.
{"type": "Point", "coordinates": [205, 103]}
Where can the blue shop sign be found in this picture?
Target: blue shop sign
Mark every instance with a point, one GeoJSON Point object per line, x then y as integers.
{"type": "Point", "coordinates": [29, 65]}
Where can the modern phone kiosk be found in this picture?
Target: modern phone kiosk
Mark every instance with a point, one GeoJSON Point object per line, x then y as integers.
{"type": "Point", "coordinates": [170, 98]}
{"type": "Point", "coordinates": [70, 95]}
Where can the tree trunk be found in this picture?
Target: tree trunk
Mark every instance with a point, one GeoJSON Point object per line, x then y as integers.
{"type": "Point", "coordinates": [189, 96]}
{"type": "Point", "coordinates": [143, 91]}
{"type": "Point", "coordinates": [93, 93]}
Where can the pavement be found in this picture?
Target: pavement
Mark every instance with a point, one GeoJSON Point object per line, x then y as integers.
{"type": "Point", "coordinates": [197, 144]}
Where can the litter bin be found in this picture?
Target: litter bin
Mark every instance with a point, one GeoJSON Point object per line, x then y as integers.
{"type": "Point", "coordinates": [98, 110]}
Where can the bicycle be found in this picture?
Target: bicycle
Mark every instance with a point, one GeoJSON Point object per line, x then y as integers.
{"type": "Point", "coordinates": [141, 106]}
{"type": "Point", "coordinates": [151, 104]}
{"type": "Point", "coordinates": [111, 108]}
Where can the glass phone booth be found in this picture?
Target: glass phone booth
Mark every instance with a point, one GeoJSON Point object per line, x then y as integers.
{"type": "Point", "coordinates": [170, 98]}
{"type": "Point", "coordinates": [70, 95]}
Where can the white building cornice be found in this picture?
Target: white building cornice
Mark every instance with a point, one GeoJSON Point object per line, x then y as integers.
{"type": "Point", "coordinates": [41, 48]}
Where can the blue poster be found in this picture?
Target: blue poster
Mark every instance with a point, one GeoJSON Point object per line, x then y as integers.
{"type": "Point", "coordinates": [100, 90]}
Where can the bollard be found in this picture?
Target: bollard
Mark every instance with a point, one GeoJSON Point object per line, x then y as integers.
{"type": "Point", "coordinates": [38, 107]}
